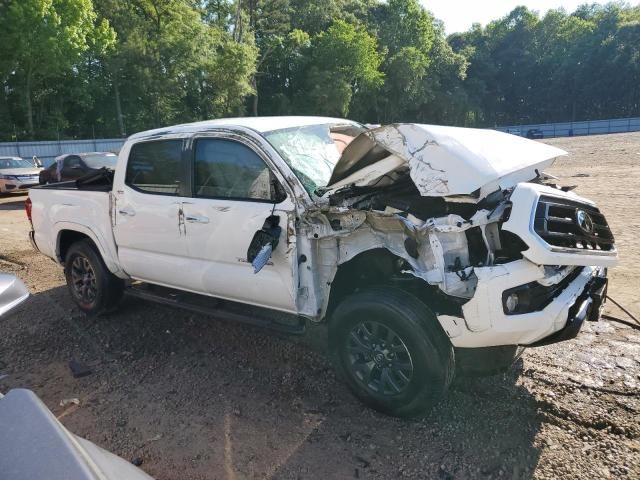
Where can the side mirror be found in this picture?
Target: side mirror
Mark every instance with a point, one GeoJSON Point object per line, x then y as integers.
{"type": "Point", "coordinates": [12, 292]}
{"type": "Point", "coordinates": [263, 243]}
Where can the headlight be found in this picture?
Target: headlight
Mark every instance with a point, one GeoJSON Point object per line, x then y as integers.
{"type": "Point", "coordinates": [7, 177]}
{"type": "Point", "coordinates": [511, 302]}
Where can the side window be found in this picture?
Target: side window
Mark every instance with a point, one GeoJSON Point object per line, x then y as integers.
{"type": "Point", "coordinates": [156, 167]}
{"type": "Point", "coordinates": [228, 169]}
{"type": "Point", "coordinates": [71, 161]}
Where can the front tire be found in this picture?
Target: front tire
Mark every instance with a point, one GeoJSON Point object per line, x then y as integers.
{"type": "Point", "coordinates": [391, 351]}
{"type": "Point", "coordinates": [92, 286]}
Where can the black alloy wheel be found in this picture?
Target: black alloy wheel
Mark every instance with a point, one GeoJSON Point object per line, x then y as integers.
{"type": "Point", "coordinates": [93, 287]}
{"type": "Point", "coordinates": [379, 358]}
{"type": "Point", "coordinates": [391, 350]}
{"type": "Point", "coordinates": [83, 279]}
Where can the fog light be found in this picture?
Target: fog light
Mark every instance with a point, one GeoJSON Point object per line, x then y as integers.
{"type": "Point", "coordinates": [511, 302]}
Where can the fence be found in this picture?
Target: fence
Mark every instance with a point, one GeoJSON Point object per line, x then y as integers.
{"type": "Point", "coordinates": [570, 129]}
{"type": "Point", "coordinates": [48, 150]}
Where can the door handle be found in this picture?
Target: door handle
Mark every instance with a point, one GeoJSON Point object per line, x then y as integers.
{"type": "Point", "coordinates": [127, 212]}
{"type": "Point", "coordinates": [197, 219]}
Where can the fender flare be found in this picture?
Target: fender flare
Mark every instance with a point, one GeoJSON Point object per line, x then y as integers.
{"type": "Point", "coordinates": [106, 250]}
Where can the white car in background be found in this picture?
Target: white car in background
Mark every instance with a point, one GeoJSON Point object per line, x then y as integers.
{"type": "Point", "coordinates": [17, 174]}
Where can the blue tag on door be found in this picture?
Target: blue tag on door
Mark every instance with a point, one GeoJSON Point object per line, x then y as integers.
{"type": "Point", "coordinates": [262, 257]}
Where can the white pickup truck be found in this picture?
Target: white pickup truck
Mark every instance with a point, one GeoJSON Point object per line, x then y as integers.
{"type": "Point", "coordinates": [425, 249]}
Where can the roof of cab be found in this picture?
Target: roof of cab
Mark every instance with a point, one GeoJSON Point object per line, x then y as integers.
{"type": "Point", "coordinates": [260, 124]}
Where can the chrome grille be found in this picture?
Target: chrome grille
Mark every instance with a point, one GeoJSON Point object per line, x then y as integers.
{"type": "Point", "coordinates": [563, 223]}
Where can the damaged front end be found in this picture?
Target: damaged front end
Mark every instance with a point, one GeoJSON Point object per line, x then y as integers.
{"type": "Point", "coordinates": [443, 250]}
{"type": "Point", "coordinates": [460, 210]}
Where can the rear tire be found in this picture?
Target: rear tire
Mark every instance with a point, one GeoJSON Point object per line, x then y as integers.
{"type": "Point", "coordinates": [391, 351]}
{"type": "Point", "coordinates": [92, 286]}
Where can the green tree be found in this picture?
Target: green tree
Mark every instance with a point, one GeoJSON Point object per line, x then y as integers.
{"type": "Point", "coordinates": [85, 67]}
{"type": "Point", "coordinates": [283, 74]}
{"type": "Point", "coordinates": [43, 39]}
{"type": "Point", "coordinates": [269, 24]}
{"type": "Point", "coordinates": [527, 69]}
{"type": "Point", "coordinates": [442, 94]}
{"type": "Point", "coordinates": [171, 65]}
{"type": "Point", "coordinates": [343, 61]}
{"type": "Point", "coordinates": [422, 73]}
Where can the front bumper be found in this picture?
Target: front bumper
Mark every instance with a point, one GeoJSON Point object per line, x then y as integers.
{"type": "Point", "coordinates": [15, 185]}
{"type": "Point", "coordinates": [485, 324]}
{"type": "Point", "coordinates": [588, 306]}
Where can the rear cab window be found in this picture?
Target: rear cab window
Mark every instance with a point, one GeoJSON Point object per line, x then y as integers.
{"type": "Point", "coordinates": [156, 167]}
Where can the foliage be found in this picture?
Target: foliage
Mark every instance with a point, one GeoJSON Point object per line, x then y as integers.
{"type": "Point", "coordinates": [343, 61]}
{"type": "Point", "coordinates": [45, 40]}
{"type": "Point", "coordinates": [561, 67]}
{"type": "Point", "coordinates": [83, 68]}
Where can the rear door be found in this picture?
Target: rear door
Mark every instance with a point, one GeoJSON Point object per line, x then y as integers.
{"type": "Point", "coordinates": [233, 194]}
{"type": "Point", "coordinates": [148, 224]}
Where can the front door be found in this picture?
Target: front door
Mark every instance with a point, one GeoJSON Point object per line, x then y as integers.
{"type": "Point", "coordinates": [233, 193]}
{"type": "Point", "coordinates": [148, 226]}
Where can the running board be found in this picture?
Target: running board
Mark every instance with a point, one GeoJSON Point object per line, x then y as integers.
{"type": "Point", "coordinates": [221, 309]}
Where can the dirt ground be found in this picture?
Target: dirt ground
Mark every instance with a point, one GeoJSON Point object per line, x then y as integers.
{"type": "Point", "coordinates": [195, 398]}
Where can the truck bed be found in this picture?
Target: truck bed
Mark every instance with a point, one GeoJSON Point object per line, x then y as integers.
{"type": "Point", "coordinates": [100, 181]}
{"type": "Point", "coordinates": [82, 206]}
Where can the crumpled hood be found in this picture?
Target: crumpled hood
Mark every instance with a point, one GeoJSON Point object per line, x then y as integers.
{"type": "Point", "coordinates": [20, 171]}
{"type": "Point", "coordinates": [443, 161]}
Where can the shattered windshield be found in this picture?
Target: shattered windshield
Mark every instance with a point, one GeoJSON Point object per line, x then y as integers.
{"type": "Point", "coordinates": [312, 151]}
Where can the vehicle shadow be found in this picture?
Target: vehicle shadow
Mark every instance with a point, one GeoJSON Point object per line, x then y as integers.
{"type": "Point", "coordinates": [198, 398]}
{"type": "Point", "coordinates": [12, 201]}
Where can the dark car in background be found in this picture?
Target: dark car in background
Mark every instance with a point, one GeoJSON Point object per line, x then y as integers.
{"type": "Point", "coordinates": [71, 166]}
{"type": "Point", "coordinates": [535, 133]}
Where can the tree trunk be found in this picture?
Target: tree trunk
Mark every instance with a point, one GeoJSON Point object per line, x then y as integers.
{"type": "Point", "coordinates": [254, 101]}
{"type": "Point", "coordinates": [29, 104]}
{"type": "Point", "coordinates": [116, 91]}
{"type": "Point", "coordinates": [237, 29]}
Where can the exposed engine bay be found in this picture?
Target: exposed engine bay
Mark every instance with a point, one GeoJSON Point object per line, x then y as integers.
{"type": "Point", "coordinates": [442, 242]}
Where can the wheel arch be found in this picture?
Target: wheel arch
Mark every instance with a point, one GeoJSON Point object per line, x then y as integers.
{"type": "Point", "coordinates": [70, 233]}
{"type": "Point", "coordinates": [368, 268]}
{"type": "Point", "coordinates": [380, 266]}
